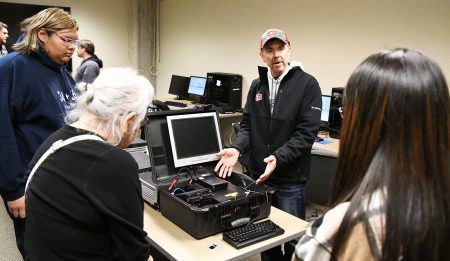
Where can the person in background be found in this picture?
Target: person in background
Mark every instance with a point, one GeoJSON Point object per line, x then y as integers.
{"type": "Point", "coordinates": [392, 184]}
{"type": "Point", "coordinates": [91, 64]}
{"type": "Point", "coordinates": [3, 37]}
{"type": "Point", "coordinates": [35, 92]}
{"type": "Point", "coordinates": [84, 201]}
{"type": "Point", "coordinates": [279, 124]}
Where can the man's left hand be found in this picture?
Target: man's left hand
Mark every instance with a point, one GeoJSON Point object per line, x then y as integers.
{"type": "Point", "coordinates": [270, 167]}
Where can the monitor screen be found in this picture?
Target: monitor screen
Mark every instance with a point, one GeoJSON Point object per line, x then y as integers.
{"type": "Point", "coordinates": [326, 103]}
{"type": "Point", "coordinates": [197, 85]}
{"type": "Point", "coordinates": [179, 86]}
{"type": "Point", "coordinates": [194, 138]}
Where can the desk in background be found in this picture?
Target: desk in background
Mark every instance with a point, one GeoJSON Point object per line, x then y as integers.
{"type": "Point", "coordinates": [329, 149]}
{"type": "Point", "coordinates": [191, 105]}
{"type": "Point", "coordinates": [176, 244]}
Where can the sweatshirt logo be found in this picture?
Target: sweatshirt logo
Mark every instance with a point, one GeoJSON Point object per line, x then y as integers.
{"type": "Point", "coordinates": [258, 97]}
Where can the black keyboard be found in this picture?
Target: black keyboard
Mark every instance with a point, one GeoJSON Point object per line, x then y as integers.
{"type": "Point", "coordinates": [248, 235]}
{"type": "Point", "coordinates": [175, 104]}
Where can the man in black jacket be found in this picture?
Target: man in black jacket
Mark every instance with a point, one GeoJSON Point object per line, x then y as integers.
{"type": "Point", "coordinates": [279, 124]}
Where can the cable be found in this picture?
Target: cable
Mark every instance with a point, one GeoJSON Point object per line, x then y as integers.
{"type": "Point", "coordinates": [184, 168]}
{"type": "Point", "coordinates": [175, 180]}
{"type": "Point", "coordinates": [176, 189]}
{"type": "Point", "coordinates": [200, 170]}
{"type": "Point", "coordinates": [244, 185]}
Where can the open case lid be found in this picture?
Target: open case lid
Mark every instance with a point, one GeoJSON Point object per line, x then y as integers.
{"type": "Point", "coordinates": [159, 137]}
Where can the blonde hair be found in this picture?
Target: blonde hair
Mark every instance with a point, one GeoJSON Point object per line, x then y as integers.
{"type": "Point", "coordinates": [51, 20]}
{"type": "Point", "coordinates": [110, 98]}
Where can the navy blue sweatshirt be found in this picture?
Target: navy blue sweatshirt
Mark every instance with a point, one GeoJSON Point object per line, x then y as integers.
{"type": "Point", "coordinates": [35, 93]}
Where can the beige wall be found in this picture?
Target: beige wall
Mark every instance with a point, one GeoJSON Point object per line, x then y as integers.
{"type": "Point", "coordinates": [329, 37]}
{"type": "Point", "coordinates": [106, 23]}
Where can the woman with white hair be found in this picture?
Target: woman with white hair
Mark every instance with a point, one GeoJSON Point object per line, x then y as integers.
{"type": "Point", "coordinates": [83, 194]}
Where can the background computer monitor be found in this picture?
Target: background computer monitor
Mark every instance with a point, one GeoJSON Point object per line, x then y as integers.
{"type": "Point", "coordinates": [197, 86]}
{"type": "Point", "coordinates": [179, 86]}
{"type": "Point", "coordinates": [326, 104]}
{"type": "Point", "coordinates": [194, 138]}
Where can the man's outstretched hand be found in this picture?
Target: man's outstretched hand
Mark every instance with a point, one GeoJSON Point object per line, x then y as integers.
{"type": "Point", "coordinates": [270, 167]}
{"type": "Point", "coordinates": [228, 158]}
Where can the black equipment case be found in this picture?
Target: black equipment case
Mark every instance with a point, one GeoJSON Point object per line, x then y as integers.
{"type": "Point", "coordinates": [193, 197]}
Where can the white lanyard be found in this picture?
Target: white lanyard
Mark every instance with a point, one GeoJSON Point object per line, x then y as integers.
{"type": "Point", "coordinates": [55, 147]}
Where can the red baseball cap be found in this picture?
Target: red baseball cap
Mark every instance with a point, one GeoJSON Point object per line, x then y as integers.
{"type": "Point", "coordinates": [273, 33]}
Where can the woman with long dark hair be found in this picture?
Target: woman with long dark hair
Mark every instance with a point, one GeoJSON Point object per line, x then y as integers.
{"type": "Point", "coordinates": [392, 185]}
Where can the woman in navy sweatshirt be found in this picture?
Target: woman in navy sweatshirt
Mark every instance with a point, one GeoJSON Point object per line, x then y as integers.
{"type": "Point", "coordinates": [35, 92]}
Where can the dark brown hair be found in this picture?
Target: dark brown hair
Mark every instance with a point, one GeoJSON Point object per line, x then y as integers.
{"type": "Point", "coordinates": [88, 45]}
{"type": "Point", "coordinates": [395, 138]}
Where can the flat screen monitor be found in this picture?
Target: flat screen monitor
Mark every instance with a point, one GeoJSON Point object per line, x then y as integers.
{"type": "Point", "coordinates": [326, 104]}
{"type": "Point", "coordinates": [195, 138]}
{"type": "Point", "coordinates": [179, 86]}
{"type": "Point", "coordinates": [197, 86]}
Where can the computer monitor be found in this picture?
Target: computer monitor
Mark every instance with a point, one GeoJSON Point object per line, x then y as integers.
{"type": "Point", "coordinates": [197, 86]}
{"type": "Point", "coordinates": [179, 86]}
{"type": "Point", "coordinates": [195, 138]}
{"type": "Point", "coordinates": [326, 104]}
